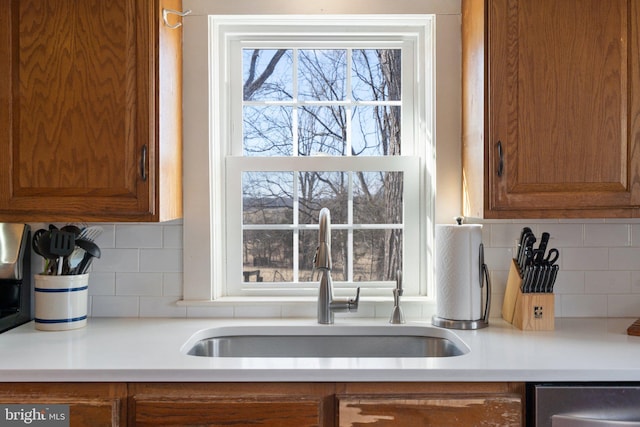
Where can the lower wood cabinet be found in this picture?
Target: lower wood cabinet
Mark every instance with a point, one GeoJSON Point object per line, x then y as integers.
{"type": "Point", "coordinates": [278, 404]}
{"type": "Point", "coordinates": [90, 404]}
{"type": "Point", "coordinates": [327, 404]}
{"type": "Point", "coordinates": [223, 404]}
{"type": "Point", "coordinates": [430, 404]}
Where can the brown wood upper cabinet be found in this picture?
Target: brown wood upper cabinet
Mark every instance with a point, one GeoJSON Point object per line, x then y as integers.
{"type": "Point", "coordinates": [551, 108]}
{"type": "Point", "coordinates": [90, 111]}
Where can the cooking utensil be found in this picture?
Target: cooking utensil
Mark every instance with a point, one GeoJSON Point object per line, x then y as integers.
{"type": "Point", "coordinates": [84, 240]}
{"type": "Point", "coordinates": [62, 244]}
{"type": "Point", "coordinates": [70, 228]}
{"type": "Point", "coordinates": [35, 242]}
{"type": "Point", "coordinates": [91, 233]}
{"type": "Point", "coordinates": [42, 245]}
{"type": "Point", "coordinates": [77, 255]}
{"type": "Point", "coordinates": [91, 251]}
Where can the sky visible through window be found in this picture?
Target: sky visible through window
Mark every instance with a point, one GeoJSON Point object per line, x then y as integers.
{"type": "Point", "coordinates": [322, 103]}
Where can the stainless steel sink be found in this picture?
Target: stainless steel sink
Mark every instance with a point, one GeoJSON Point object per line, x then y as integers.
{"type": "Point", "coordinates": [330, 341]}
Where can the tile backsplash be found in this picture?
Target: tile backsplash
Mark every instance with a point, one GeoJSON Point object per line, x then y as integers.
{"type": "Point", "coordinates": [140, 272]}
{"type": "Point", "coordinates": [599, 264]}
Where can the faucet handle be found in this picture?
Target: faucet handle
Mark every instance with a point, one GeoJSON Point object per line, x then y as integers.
{"type": "Point", "coordinates": [353, 302]}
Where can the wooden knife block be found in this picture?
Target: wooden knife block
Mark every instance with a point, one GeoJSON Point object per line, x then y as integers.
{"type": "Point", "coordinates": [529, 312]}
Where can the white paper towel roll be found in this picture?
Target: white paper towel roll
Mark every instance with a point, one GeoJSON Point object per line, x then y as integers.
{"type": "Point", "coordinates": [458, 273]}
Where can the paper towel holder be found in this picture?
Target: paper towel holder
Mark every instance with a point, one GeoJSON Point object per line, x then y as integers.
{"type": "Point", "coordinates": [483, 322]}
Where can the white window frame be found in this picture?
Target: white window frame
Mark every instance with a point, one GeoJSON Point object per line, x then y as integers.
{"type": "Point", "coordinates": [203, 178]}
{"type": "Point", "coordinates": [413, 35]}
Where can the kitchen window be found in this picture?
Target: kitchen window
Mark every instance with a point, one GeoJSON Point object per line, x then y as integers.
{"type": "Point", "coordinates": [296, 111]}
{"type": "Point", "coordinates": [318, 121]}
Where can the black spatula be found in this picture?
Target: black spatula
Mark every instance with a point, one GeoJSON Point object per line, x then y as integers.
{"type": "Point", "coordinates": [62, 245]}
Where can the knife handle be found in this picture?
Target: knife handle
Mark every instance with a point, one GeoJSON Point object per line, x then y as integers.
{"type": "Point", "coordinates": [542, 248]}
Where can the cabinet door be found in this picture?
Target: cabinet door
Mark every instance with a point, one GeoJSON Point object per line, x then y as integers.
{"type": "Point", "coordinates": [563, 108]}
{"type": "Point", "coordinates": [90, 405]}
{"type": "Point", "coordinates": [441, 411]}
{"type": "Point", "coordinates": [78, 107]}
{"type": "Point", "coordinates": [265, 405]}
{"type": "Point", "coordinates": [431, 404]}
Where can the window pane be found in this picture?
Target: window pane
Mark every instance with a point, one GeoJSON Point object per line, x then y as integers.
{"type": "Point", "coordinates": [377, 197]}
{"type": "Point", "coordinates": [307, 250]}
{"type": "Point", "coordinates": [308, 243]}
{"type": "Point", "coordinates": [377, 254]}
{"type": "Point", "coordinates": [267, 74]}
{"type": "Point", "coordinates": [321, 130]}
{"type": "Point", "coordinates": [375, 130]}
{"type": "Point", "coordinates": [319, 190]}
{"type": "Point", "coordinates": [266, 197]}
{"type": "Point", "coordinates": [339, 255]}
{"type": "Point", "coordinates": [322, 74]}
{"type": "Point", "coordinates": [267, 256]}
{"type": "Point", "coordinates": [267, 131]}
{"type": "Point", "coordinates": [376, 75]}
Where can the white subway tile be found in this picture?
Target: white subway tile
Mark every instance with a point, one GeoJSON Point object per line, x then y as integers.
{"type": "Point", "coordinates": [496, 305]}
{"type": "Point", "coordinates": [498, 258]}
{"type": "Point", "coordinates": [624, 258]}
{"type": "Point", "coordinates": [142, 284]}
{"type": "Point", "coordinates": [256, 310]}
{"type": "Point", "coordinates": [607, 235]}
{"type": "Point", "coordinates": [218, 311]}
{"type": "Point", "coordinates": [635, 282]}
{"type": "Point", "coordinates": [584, 305]}
{"type": "Point", "coordinates": [172, 284]}
{"type": "Point", "coordinates": [139, 236]}
{"type": "Point", "coordinates": [172, 236]}
{"type": "Point", "coordinates": [498, 280]}
{"type": "Point", "coordinates": [365, 310]}
{"type": "Point", "coordinates": [505, 235]}
{"type": "Point", "coordinates": [623, 306]}
{"type": "Point", "coordinates": [115, 306]}
{"type": "Point", "coordinates": [557, 304]}
{"type": "Point", "coordinates": [161, 260]}
{"type": "Point", "coordinates": [107, 239]}
{"type": "Point", "coordinates": [569, 282]}
{"type": "Point", "coordinates": [161, 307]}
{"type": "Point", "coordinates": [635, 234]}
{"type": "Point", "coordinates": [607, 282]}
{"type": "Point", "coordinates": [299, 309]}
{"type": "Point", "coordinates": [563, 235]}
{"type": "Point", "coordinates": [117, 260]}
{"type": "Point", "coordinates": [102, 283]}
{"type": "Point", "coordinates": [584, 258]}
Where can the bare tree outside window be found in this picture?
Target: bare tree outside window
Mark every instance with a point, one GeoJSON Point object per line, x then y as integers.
{"type": "Point", "coordinates": [334, 103]}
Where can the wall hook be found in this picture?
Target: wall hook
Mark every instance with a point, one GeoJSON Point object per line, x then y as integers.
{"type": "Point", "coordinates": [166, 12]}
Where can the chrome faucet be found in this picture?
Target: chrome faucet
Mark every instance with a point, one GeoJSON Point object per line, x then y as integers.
{"type": "Point", "coordinates": [327, 304]}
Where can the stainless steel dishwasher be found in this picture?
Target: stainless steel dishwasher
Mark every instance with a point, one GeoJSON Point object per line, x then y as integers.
{"type": "Point", "coordinates": [584, 405]}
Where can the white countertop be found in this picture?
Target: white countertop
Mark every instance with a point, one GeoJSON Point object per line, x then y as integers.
{"type": "Point", "coordinates": [584, 349]}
